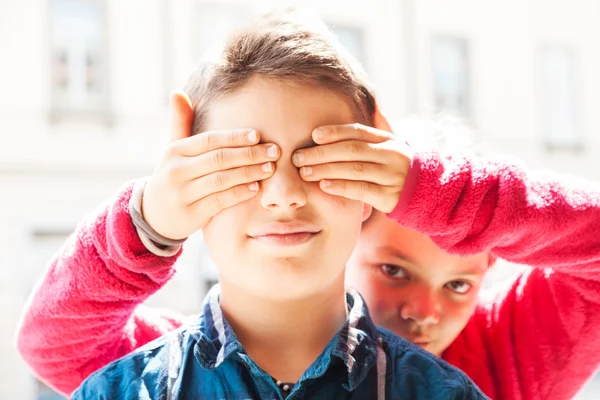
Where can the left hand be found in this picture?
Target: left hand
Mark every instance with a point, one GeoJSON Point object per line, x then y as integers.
{"type": "Point", "coordinates": [358, 162]}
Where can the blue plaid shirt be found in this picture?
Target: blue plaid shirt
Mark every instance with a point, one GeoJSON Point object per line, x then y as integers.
{"type": "Point", "coordinates": [207, 361]}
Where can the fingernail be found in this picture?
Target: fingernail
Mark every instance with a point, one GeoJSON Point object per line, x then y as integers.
{"type": "Point", "coordinates": [325, 183]}
{"type": "Point", "coordinates": [252, 136]}
{"type": "Point", "coordinates": [319, 134]}
{"type": "Point", "coordinates": [253, 187]}
{"type": "Point", "coordinates": [272, 151]}
{"type": "Point", "coordinates": [298, 158]}
{"type": "Point", "coordinates": [266, 167]}
{"type": "Point", "coordinates": [306, 171]}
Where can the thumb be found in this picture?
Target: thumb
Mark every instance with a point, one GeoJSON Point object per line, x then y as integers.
{"type": "Point", "coordinates": [182, 115]}
{"type": "Point", "coordinates": [380, 121]}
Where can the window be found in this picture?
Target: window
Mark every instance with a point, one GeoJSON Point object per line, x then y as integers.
{"type": "Point", "coordinates": [78, 56]}
{"type": "Point", "coordinates": [558, 103]}
{"type": "Point", "coordinates": [450, 62]}
{"type": "Point", "coordinates": [212, 22]}
{"type": "Point", "coordinates": [352, 38]}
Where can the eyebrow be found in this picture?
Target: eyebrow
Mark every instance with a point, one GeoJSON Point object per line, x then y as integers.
{"type": "Point", "coordinates": [472, 271]}
{"type": "Point", "coordinates": [397, 254]}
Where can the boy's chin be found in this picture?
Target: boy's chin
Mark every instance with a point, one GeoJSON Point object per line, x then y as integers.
{"type": "Point", "coordinates": [297, 256]}
{"type": "Point", "coordinates": [287, 291]}
{"type": "Point", "coordinates": [295, 276]}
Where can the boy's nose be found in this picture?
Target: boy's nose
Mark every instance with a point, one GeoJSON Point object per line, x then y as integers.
{"type": "Point", "coordinates": [422, 308]}
{"type": "Point", "coordinates": [285, 189]}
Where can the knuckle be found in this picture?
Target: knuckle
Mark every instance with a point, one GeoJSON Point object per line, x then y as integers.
{"type": "Point", "coordinates": [171, 151]}
{"type": "Point", "coordinates": [217, 180]}
{"type": "Point", "coordinates": [210, 140]}
{"type": "Point", "coordinates": [358, 168]}
{"type": "Point", "coordinates": [219, 158]}
{"type": "Point", "coordinates": [235, 138]}
{"type": "Point", "coordinates": [249, 173]}
{"type": "Point", "coordinates": [353, 147]}
{"type": "Point", "coordinates": [318, 151]}
{"type": "Point", "coordinates": [216, 201]}
{"type": "Point", "coordinates": [173, 170]}
{"type": "Point", "coordinates": [251, 154]}
{"type": "Point", "coordinates": [237, 192]}
{"type": "Point", "coordinates": [364, 188]}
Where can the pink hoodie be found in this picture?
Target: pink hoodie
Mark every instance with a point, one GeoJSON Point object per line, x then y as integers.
{"type": "Point", "coordinates": [539, 341]}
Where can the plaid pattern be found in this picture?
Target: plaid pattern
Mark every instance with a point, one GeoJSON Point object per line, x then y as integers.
{"type": "Point", "coordinates": [207, 361]}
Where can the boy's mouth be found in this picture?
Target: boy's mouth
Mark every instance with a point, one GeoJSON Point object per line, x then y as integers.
{"type": "Point", "coordinates": [288, 239]}
{"type": "Point", "coordinates": [419, 341]}
{"type": "Point", "coordinates": [285, 233]}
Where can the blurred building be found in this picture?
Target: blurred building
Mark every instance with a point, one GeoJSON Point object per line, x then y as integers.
{"type": "Point", "coordinates": [85, 85]}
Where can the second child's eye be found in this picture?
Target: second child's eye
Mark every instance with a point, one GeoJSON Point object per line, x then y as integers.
{"type": "Point", "coordinates": [460, 287]}
{"type": "Point", "coordinates": [393, 271]}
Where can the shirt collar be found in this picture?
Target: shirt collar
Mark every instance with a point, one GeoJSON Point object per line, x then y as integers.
{"type": "Point", "coordinates": [355, 344]}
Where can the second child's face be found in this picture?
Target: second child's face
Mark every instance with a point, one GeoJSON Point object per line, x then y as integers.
{"type": "Point", "coordinates": [412, 287]}
{"type": "Point", "coordinates": [244, 241]}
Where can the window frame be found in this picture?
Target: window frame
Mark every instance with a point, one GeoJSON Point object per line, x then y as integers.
{"type": "Point", "coordinates": [58, 111]}
{"type": "Point", "coordinates": [467, 110]}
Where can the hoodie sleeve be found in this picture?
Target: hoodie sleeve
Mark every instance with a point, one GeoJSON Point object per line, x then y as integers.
{"type": "Point", "coordinates": [86, 311]}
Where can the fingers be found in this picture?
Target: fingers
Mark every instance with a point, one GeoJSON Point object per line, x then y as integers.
{"type": "Point", "coordinates": [383, 198]}
{"type": "Point", "coordinates": [225, 159]}
{"type": "Point", "coordinates": [337, 133]}
{"type": "Point", "coordinates": [212, 140]}
{"type": "Point", "coordinates": [354, 171]}
{"type": "Point", "coordinates": [217, 202]}
{"type": "Point", "coordinates": [224, 180]}
{"type": "Point", "coordinates": [182, 115]}
{"type": "Point", "coordinates": [347, 150]}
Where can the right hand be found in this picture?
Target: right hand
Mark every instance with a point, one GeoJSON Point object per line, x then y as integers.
{"type": "Point", "coordinates": [199, 176]}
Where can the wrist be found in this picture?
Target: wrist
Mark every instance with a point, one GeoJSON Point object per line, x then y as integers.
{"type": "Point", "coordinates": [154, 241]}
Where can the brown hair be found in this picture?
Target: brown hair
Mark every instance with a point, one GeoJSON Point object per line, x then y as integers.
{"type": "Point", "coordinates": [284, 46]}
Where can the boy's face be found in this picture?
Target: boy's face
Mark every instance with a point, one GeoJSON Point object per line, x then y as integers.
{"type": "Point", "coordinates": [246, 241]}
{"type": "Point", "coordinates": [412, 287]}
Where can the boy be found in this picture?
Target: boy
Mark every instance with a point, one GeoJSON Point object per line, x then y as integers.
{"type": "Point", "coordinates": [281, 323]}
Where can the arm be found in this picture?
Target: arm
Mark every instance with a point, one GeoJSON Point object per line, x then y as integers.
{"type": "Point", "coordinates": [540, 339]}
{"type": "Point", "coordinates": [468, 206]}
{"type": "Point", "coordinates": [86, 312]}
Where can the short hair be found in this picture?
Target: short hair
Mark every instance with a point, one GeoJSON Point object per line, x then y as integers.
{"type": "Point", "coordinates": [282, 45]}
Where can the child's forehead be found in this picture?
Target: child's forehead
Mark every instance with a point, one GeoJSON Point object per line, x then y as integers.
{"type": "Point", "coordinates": [383, 237]}
{"type": "Point", "coordinates": [279, 110]}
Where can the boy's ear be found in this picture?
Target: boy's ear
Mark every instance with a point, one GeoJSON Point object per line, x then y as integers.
{"type": "Point", "coordinates": [182, 115]}
{"type": "Point", "coordinates": [367, 211]}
